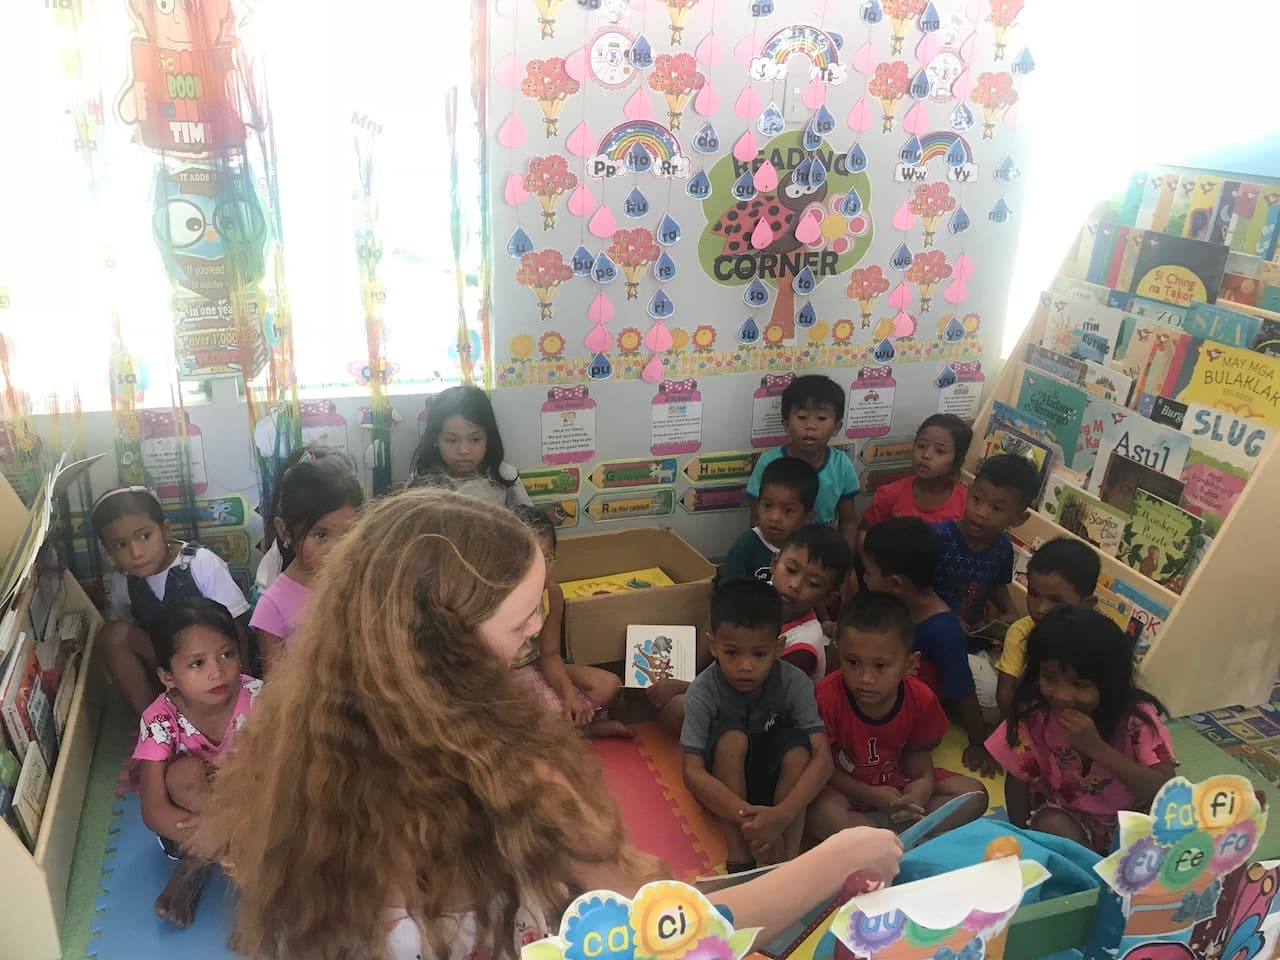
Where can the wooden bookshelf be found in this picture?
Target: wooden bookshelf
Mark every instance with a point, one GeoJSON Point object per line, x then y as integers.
{"type": "Point", "coordinates": [33, 886]}
{"type": "Point", "coordinates": [1220, 645]}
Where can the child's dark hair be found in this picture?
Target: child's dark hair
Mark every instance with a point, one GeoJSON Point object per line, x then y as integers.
{"type": "Point", "coordinates": [811, 391]}
{"type": "Point", "coordinates": [1097, 650]}
{"type": "Point", "coordinates": [961, 434]}
{"type": "Point", "coordinates": [878, 612]}
{"type": "Point", "coordinates": [303, 454]}
{"type": "Point", "coordinates": [825, 545]}
{"type": "Point", "coordinates": [794, 474]}
{"type": "Point", "coordinates": [308, 491]}
{"type": "Point", "coordinates": [472, 404]}
{"type": "Point", "coordinates": [904, 547]}
{"type": "Point", "coordinates": [189, 612]}
{"type": "Point", "coordinates": [746, 602]}
{"type": "Point", "coordinates": [536, 520]}
{"type": "Point", "coordinates": [1073, 560]}
{"type": "Point", "coordinates": [1008, 472]}
{"type": "Point", "coordinates": [125, 502]}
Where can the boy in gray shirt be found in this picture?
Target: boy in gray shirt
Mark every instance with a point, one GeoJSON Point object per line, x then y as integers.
{"type": "Point", "coordinates": [755, 749]}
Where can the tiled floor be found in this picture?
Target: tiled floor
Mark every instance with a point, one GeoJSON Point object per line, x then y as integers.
{"type": "Point", "coordinates": [1250, 734]}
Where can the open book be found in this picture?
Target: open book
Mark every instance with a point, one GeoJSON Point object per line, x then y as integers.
{"type": "Point", "coordinates": [659, 652]}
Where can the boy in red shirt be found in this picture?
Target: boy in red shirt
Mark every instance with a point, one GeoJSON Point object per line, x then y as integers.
{"type": "Point", "coordinates": [883, 724]}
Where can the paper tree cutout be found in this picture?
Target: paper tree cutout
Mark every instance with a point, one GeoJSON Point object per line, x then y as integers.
{"type": "Point", "coordinates": [961, 914]}
{"type": "Point", "coordinates": [665, 920]}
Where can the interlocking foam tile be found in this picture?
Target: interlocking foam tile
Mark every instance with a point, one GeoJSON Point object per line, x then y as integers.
{"type": "Point", "coordinates": [665, 758]}
{"type": "Point", "coordinates": [125, 926]}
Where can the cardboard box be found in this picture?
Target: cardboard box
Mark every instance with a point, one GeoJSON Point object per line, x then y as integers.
{"type": "Point", "coordinates": [595, 628]}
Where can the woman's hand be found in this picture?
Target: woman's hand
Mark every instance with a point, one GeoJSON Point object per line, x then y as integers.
{"type": "Point", "coordinates": [879, 851]}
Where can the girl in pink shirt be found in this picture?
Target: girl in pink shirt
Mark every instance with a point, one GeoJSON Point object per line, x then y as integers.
{"type": "Point", "coordinates": [1082, 742]}
{"type": "Point", "coordinates": [316, 502]}
{"type": "Point", "coordinates": [933, 492]}
{"type": "Point", "coordinates": [186, 732]}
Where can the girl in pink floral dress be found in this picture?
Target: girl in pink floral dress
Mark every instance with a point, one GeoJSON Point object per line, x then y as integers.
{"type": "Point", "coordinates": [1082, 742]}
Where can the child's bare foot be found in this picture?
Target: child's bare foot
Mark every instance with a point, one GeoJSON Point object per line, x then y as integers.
{"type": "Point", "coordinates": [598, 729]}
{"type": "Point", "coordinates": [177, 901]}
{"type": "Point", "coordinates": [660, 693]}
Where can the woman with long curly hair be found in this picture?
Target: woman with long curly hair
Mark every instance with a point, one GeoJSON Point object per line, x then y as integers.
{"type": "Point", "coordinates": [399, 794]}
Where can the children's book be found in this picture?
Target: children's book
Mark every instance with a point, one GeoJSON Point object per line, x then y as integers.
{"type": "Point", "coordinates": [1080, 290]}
{"type": "Point", "coordinates": [1267, 340]}
{"type": "Point", "coordinates": [1146, 617]}
{"type": "Point", "coordinates": [616, 583]}
{"type": "Point", "coordinates": [1003, 415]}
{"type": "Point", "coordinates": [1132, 437]}
{"type": "Point", "coordinates": [1128, 246]}
{"type": "Point", "coordinates": [1060, 405]}
{"type": "Point", "coordinates": [1113, 606]}
{"type": "Point", "coordinates": [20, 677]}
{"type": "Point", "coordinates": [1242, 382]}
{"type": "Point", "coordinates": [1176, 223]}
{"type": "Point", "coordinates": [1165, 355]}
{"type": "Point", "coordinates": [1069, 320]}
{"type": "Point", "coordinates": [1204, 202]}
{"type": "Point", "coordinates": [1121, 477]}
{"type": "Point", "coordinates": [1217, 323]}
{"type": "Point", "coordinates": [1171, 413]}
{"type": "Point", "coordinates": [1107, 384]}
{"type": "Point", "coordinates": [1136, 335]}
{"type": "Point", "coordinates": [1004, 440]}
{"type": "Point", "coordinates": [1089, 347]}
{"type": "Point", "coordinates": [1226, 436]}
{"type": "Point", "coordinates": [1223, 213]}
{"type": "Point", "coordinates": [1097, 413]}
{"type": "Point", "coordinates": [1084, 515]}
{"type": "Point", "coordinates": [1210, 487]}
{"type": "Point", "coordinates": [1159, 540]}
{"type": "Point", "coordinates": [656, 653]}
{"type": "Point", "coordinates": [1061, 365]}
{"type": "Point", "coordinates": [30, 796]}
{"type": "Point", "coordinates": [1178, 270]}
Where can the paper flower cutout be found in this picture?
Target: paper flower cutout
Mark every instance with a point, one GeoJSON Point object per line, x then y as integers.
{"type": "Point", "coordinates": [548, 82]}
{"type": "Point", "coordinates": [866, 286]}
{"type": "Point", "coordinates": [551, 344]}
{"type": "Point", "coordinates": [818, 332]}
{"type": "Point", "coordinates": [930, 202]}
{"type": "Point", "coordinates": [679, 338]}
{"type": "Point", "coordinates": [900, 13]}
{"type": "Point", "coordinates": [598, 916]}
{"type": "Point", "coordinates": [704, 337]}
{"type": "Point", "coordinates": [835, 231]}
{"type": "Point", "coordinates": [925, 272]}
{"type": "Point", "coordinates": [521, 346]}
{"type": "Point", "coordinates": [678, 12]}
{"type": "Point", "coordinates": [994, 93]}
{"type": "Point", "coordinates": [888, 85]}
{"type": "Point", "coordinates": [659, 900]}
{"type": "Point", "coordinates": [630, 340]}
{"type": "Point", "coordinates": [1003, 14]}
{"type": "Point", "coordinates": [549, 178]}
{"type": "Point", "coordinates": [677, 78]}
{"type": "Point", "coordinates": [842, 331]}
{"type": "Point", "coordinates": [774, 334]}
{"type": "Point", "coordinates": [543, 271]}
{"type": "Point", "coordinates": [633, 251]}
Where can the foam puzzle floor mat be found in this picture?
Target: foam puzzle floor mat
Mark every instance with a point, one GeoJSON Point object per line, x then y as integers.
{"type": "Point", "coordinates": [125, 926]}
{"type": "Point", "coordinates": [1250, 734]}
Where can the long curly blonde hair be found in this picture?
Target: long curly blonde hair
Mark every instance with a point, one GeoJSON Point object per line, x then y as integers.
{"type": "Point", "coordinates": [394, 761]}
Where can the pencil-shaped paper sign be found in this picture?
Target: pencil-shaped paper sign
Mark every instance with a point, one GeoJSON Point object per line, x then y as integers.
{"type": "Point", "coordinates": [721, 467]}
{"type": "Point", "coordinates": [652, 503]}
{"type": "Point", "coordinates": [713, 499]}
{"type": "Point", "coordinates": [552, 481]}
{"type": "Point", "coordinates": [621, 474]}
{"type": "Point", "coordinates": [886, 450]}
{"type": "Point", "coordinates": [562, 513]}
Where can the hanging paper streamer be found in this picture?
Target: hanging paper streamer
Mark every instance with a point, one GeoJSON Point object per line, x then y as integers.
{"type": "Point", "coordinates": [668, 232]}
{"type": "Point", "coordinates": [770, 123]}
{"type": "Point", "coordinates": [519, 244]}
{"type": "Point", "coordinates": [699, 187]}
{"type": "Point", "coordinates": [1000, 213]}
{"type": "Point", "coordinates": [581, 142]}
{"type": "Point", "coordinates": [706, 140]}
{"type": "Point", "coordinates": [638, 106]}
{"type": "Point", "coordinates": [708, 52]}
{"type": "Point", "coordinates": [653, 370]}
{"type": "Point", "coordinates": [602, 223]}
{"type": "Point", "coordinates": [762, 235]}
{"type": "Point", "coordinates": [660, 308]}
{"type": "Point", "coordinates": [600, 368]}
{"type": "Point", "coordinates": [601, 309]}
{"type": "Point", "coordinates": [746, 148]}
{"type": "Point", "coordinates": [747, 105]}
{"type": "Point", "coordinates": [658, 339]}
{"type": "Point", "coordinates": [959, 222]}
{"type": "Point", "coordinates": [707, 102]}
{"type": "Point", "coordinates": [514, 193]}
{"type": "Point", "coordinates": [864, 58]}
{"type": "Point", "coordinates": [636, 205]}
{"type": "Point", "coordinates": [916, 121]}
{"type": "Point", "coordinates": [765, 177]}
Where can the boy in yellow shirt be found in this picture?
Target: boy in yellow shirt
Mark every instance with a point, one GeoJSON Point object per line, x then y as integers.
{"type": "Point", "coordinates": [1063, 572]}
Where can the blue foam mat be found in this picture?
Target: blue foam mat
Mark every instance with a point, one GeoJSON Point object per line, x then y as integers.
{"type": "Point", "coordinates": [125, 926]}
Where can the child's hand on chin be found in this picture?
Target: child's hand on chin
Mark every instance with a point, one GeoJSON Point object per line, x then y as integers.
{"type": "Point", "coordinates": [1080, 731]}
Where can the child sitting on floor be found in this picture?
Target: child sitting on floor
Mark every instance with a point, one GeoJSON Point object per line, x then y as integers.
{"type": "Point", "coordinates": [185, 732]}
{"type": "Point", "coordinates": [900, 556]}
{"type": "Point", "coordinates": [933, 492]}
{"type": "Point", "coordinates": [807, 573]}
{"type": "Point", "coordinates": [975, 559]}
{"type": "Point", "coordinates": [788, 490]}
{"type": "Point", "coordinates": [883, 725]}
{"type": "Point", "coordinates": [1082, 741]}
{"type": "Point", "coordinates": [580, 693]}
{"type": "Point", "coordinates": [1062, 573]}
{"type": "Point", "coordinates": [755, 749]}
{"type": "Point", "coordinates": [317, 502]}
{"type": "Point", "coordinates": [151, 570]}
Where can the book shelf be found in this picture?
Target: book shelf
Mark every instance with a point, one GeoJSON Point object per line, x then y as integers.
{"type": "Point", "coordinates": [33, 885]}
{"type": "Point", "coordinates": [1220, 645]}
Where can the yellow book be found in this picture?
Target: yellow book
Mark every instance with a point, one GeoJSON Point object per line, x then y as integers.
{"type": "Point", "coordinates": [644, 579]}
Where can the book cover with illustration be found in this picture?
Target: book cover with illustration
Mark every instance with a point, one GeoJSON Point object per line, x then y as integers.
{"type": "Point", "coordinates": [1061, 365]}
{"type": "Point", "coordinates": [1097, 414]}
{"type": "Point", "coordinates": [1113, 606]}
{"type": "Point", "coordinates": [1166, 353]}
{"type": "Point", "coordinates": [1211, 321]}
{"type": "Point", "coordinates": [1226, 436]}
{"type": "Point", "coordinates": [1242, 382]}
{"type": "Point", "coordinates": [1136, 338]}
{"type": "Point", "coordinates": [1178, 270]}
{"type": "Point", "coordinates": [1084, 515]}
{"type": "Point", "coordinates": [1081, 290]}
{"type": "Point", "coordinates": [1011, 418]}
{"type": "Point", "coordinates": [1005, 440]}
{"type": "Point", "coordinates": [657, 653]}
{"type": "Point", "coordinates": [1211, 487]}
{"type": "Point", "coordinates": [1159, 540]}
{"type": "Point", "coordinates": [1060, 405]}
{"type": "Point", "coordinates": [1147, 615]}
{"type": "Point", "coordinates": [1068, 319]}
{"type": "Point", "coordinates": [1132, 437]}
{"type": "Point", "coordinates": [1106, 383]}
{"type": "Point", "coordinates": [1121, 477]}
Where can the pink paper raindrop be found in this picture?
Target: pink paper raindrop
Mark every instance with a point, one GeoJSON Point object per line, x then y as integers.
{"type": "Point", "coordinates": [963, 268]}
{"type": "Point", "coordinates": [575, 64]}
{"type": "Point", "coordinates": [916, 120]}
{"type": "Point", "coordinates": [658, 339]}
{"type": "Point", "coordinates": [653, 370]}
{"type": "Point", "coordinates": [956, 292]}
{"type": "Point", "coordinates": [973, 10]}
{"type": "Point", "coordinates": [599, 340]}
{"type": "Point", "coordinates": [904, 219]}
{"type": "Point", "coordinates": [747, 48]}
{"type": "Point", "coordinates": [515, 192]}
{"type": "Point", "coordinates": [860, 116]}
{"type": "Point", "coordinates": [581, 142]}
{"type": "Point", "coordinates": [707, 101]}
{"type": "Point", "coordinates": [967, 45]}
{"type": "Point", "coordinates": [928, 48]}
{"type": "Point", "coordinates": [815, 94]}
{"type": "Point", "coordinates": [809, 230]}
{"type": "Point", "coordinates": [582, 202]}
{"type": "Point", "coordinates": [745, 150]}
{"type": "Point", "coordinates": [512, 133]}
{"type": "Point", "coordinates": [601, 309]}
{"type": "Point", "coordinates": [708, 51]}
{"type": "Point", "coordinates": [762, 235]}
{"type": "Point", "coordinates": [748, 103]}
{"type": "Point", "coordinates": [505, 71]}
{"type": "Point", "coordinates": [638, 106]}
{"type": "Point", "coordinates": [602, 224]}
{"type": "Point", "coordinates": [900, 297]}
{"type": "Point", "coordinates": [766, 177]}
{"type": "Point", "coordinates": [864, 59]}
{"type": "Point", "coordinates": [904, 325]}
{"type": "Point", "coordinates": [963, 85]}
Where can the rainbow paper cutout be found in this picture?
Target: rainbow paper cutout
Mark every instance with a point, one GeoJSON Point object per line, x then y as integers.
{"type": "Point", "coordinates": [938, 144]}
{"type": "Point", "coordinates": [812, 43]}
{"type": "Point", "coordinates": [947, 144]}
{"type": "Point", "coordinates": [654, 138]}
